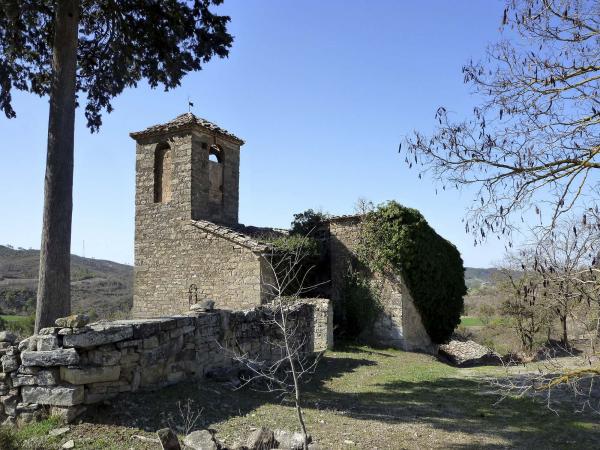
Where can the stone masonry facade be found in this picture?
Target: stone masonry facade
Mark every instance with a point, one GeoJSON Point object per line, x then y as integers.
{"type": "Point", "coordinates": [187, 243]}
{"type": "Point", "coordinates": [190, 247]}
{"type": "Point", "coordinates": [61, 370]}
{"type": "Point", "coordinates": [399, 325]}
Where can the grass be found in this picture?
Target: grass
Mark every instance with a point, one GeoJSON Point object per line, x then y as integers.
{"type": "Point", "coordinates": [359, 398]}
{"type": "Point", "coordinates": [22, 325]}
{"type": "Point", "coordinates": [14, 319]}
{"type": "Point", "coordinates": [470, 321]}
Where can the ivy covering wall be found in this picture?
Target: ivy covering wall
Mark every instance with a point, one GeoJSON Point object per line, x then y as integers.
{"type": "Point", "coordinates": [399, 240]}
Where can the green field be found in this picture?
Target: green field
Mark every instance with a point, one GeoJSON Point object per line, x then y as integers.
{"type": "Point", "coordinates": [22, 325]}
{"type": "Point", "coordinates": [14, 319]}
{"type": "Point", "coordinates": [470, 321]}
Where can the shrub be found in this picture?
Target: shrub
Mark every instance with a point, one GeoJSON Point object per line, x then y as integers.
{"type": "Point", "coordinates": [399, 240]}
{"type": "Point", "coordinates": [305, 223]}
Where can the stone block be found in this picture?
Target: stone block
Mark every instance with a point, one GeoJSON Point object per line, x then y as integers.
{"type": "Point", "coordinates": [95, 397]}
{"type": "Point", "coordinates": [150, 343]}
{"type": "Point", "coordinates": [73, 321]}
{"type": "Point", "coordinates": [49, 330]}
{"type": "Point", "coordinates": [55, 395]}
{"type": "Point", "coordinates": [8, 336]}
{"type": "Point", "coordinates": [87, 375]}
{"type": "Point", "coordinates": [67, 413]}
{"type": "Point", "coordinates": [29, 343]}
{"type": "Point", "coordinates": [10, 401]}
{"type": "Point", "coordinates": [104, 357]}
{"type": "Point", "coordinates": [129, 344]}
{"type": "Point", "coordinates": [58, 357]}
{"type": "Point", "coordinates": [40, 378]}
{"type": "Point", "coordinates": [10, 363]}
{"type": "Point", "coordinates": [98, 334]}
{"type": "Point", "coordinates": [46, 342]}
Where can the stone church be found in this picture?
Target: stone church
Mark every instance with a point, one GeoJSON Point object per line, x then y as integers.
{"type": "Point", "coordinates": [190, 246]}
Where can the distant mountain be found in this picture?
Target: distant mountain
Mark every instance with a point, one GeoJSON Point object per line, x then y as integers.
{"type": "Point", "coordinates": [102, 288]}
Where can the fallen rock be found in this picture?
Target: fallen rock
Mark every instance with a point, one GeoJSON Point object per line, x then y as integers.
{"type": "Point", "coordinates": [201, 440]}
{"type": "Point", "coordinates": [289, 440]}
{"type": "Point", "coordinates": [261, 439]}
{"type": "Point", "coordinates": [168, 439]}
{"type": "Point", "coordinates": [73, 321]}
{"type": "Point", "coordinates": [69, 444]}
{"type": "Point", "coordinates": [468, 354]}
{"type": "Point", "coordinates": [58, 431]}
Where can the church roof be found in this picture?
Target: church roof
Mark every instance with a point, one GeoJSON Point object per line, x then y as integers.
{"type": "Point", "coordinates": [185, 121]}
{"type": "Point", "coordinates": [231, 235]}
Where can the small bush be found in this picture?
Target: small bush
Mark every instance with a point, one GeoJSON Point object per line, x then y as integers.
{"type": "Point", "coordinates": [21, 325]}
{"type": "Point", "coordinates": [307, 222]}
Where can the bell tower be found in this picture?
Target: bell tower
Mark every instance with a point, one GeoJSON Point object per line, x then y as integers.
{"type": "Point", "coordinates": [187, 168]}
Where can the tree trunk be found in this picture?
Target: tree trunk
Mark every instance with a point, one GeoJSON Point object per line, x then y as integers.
{"type": "Point", "coordinates": [54, 294]}
{"type": "Point", "coordinates": [565, 335]}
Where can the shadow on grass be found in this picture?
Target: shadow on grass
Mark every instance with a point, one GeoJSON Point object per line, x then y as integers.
{"type": "Point", "coordinates": [457, 405]}
{"type": "Point", "coordinates": [217, 401]}
{"type": "Point", "coordinates": [441, 400]}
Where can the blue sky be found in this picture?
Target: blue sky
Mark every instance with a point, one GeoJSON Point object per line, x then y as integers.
{"type": "Point", "coordinates": [322, 92]}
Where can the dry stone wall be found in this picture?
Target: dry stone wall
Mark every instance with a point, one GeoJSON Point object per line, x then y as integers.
{"type": "Point", "coordinates": [61, 370]}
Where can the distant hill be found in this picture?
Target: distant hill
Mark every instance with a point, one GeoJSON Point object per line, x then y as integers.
{"type": "Point", "coordinates": [476, 277]}
{"type": "Point", "coordinates": [102, 288]}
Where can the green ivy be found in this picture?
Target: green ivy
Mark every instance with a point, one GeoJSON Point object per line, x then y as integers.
{"type": "Point", "coordinates": [399, 239]}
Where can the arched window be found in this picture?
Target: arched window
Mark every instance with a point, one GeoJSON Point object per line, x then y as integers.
{"type": "Point", "coordinates": [215, 154]}
{"type": "Point", "coordinates": [215, 175]}
{"type": "Point", "coordinates": [163, 170]}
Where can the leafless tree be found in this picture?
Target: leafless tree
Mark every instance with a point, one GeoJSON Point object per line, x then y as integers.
{"type": "Point", "coordinates": [565, 261]}
{"type": "Point", "coordinates": [294, 361]}
{"type": "Point", "coordinates": [533, 143]}
{"type": "Point", "coordinates": [560, 281]}
{"type": "Point", "coordinates": [524, 304]}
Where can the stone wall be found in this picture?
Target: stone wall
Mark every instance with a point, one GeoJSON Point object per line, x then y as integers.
{"type": "Point", "coordinates": [399, 325]}
{"type": "Point", "coordinates": [173, 255]}
{"type": "Point", "coordinates": [61, 370]}
{"type": "Point", "coordinates": [171, 252]}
